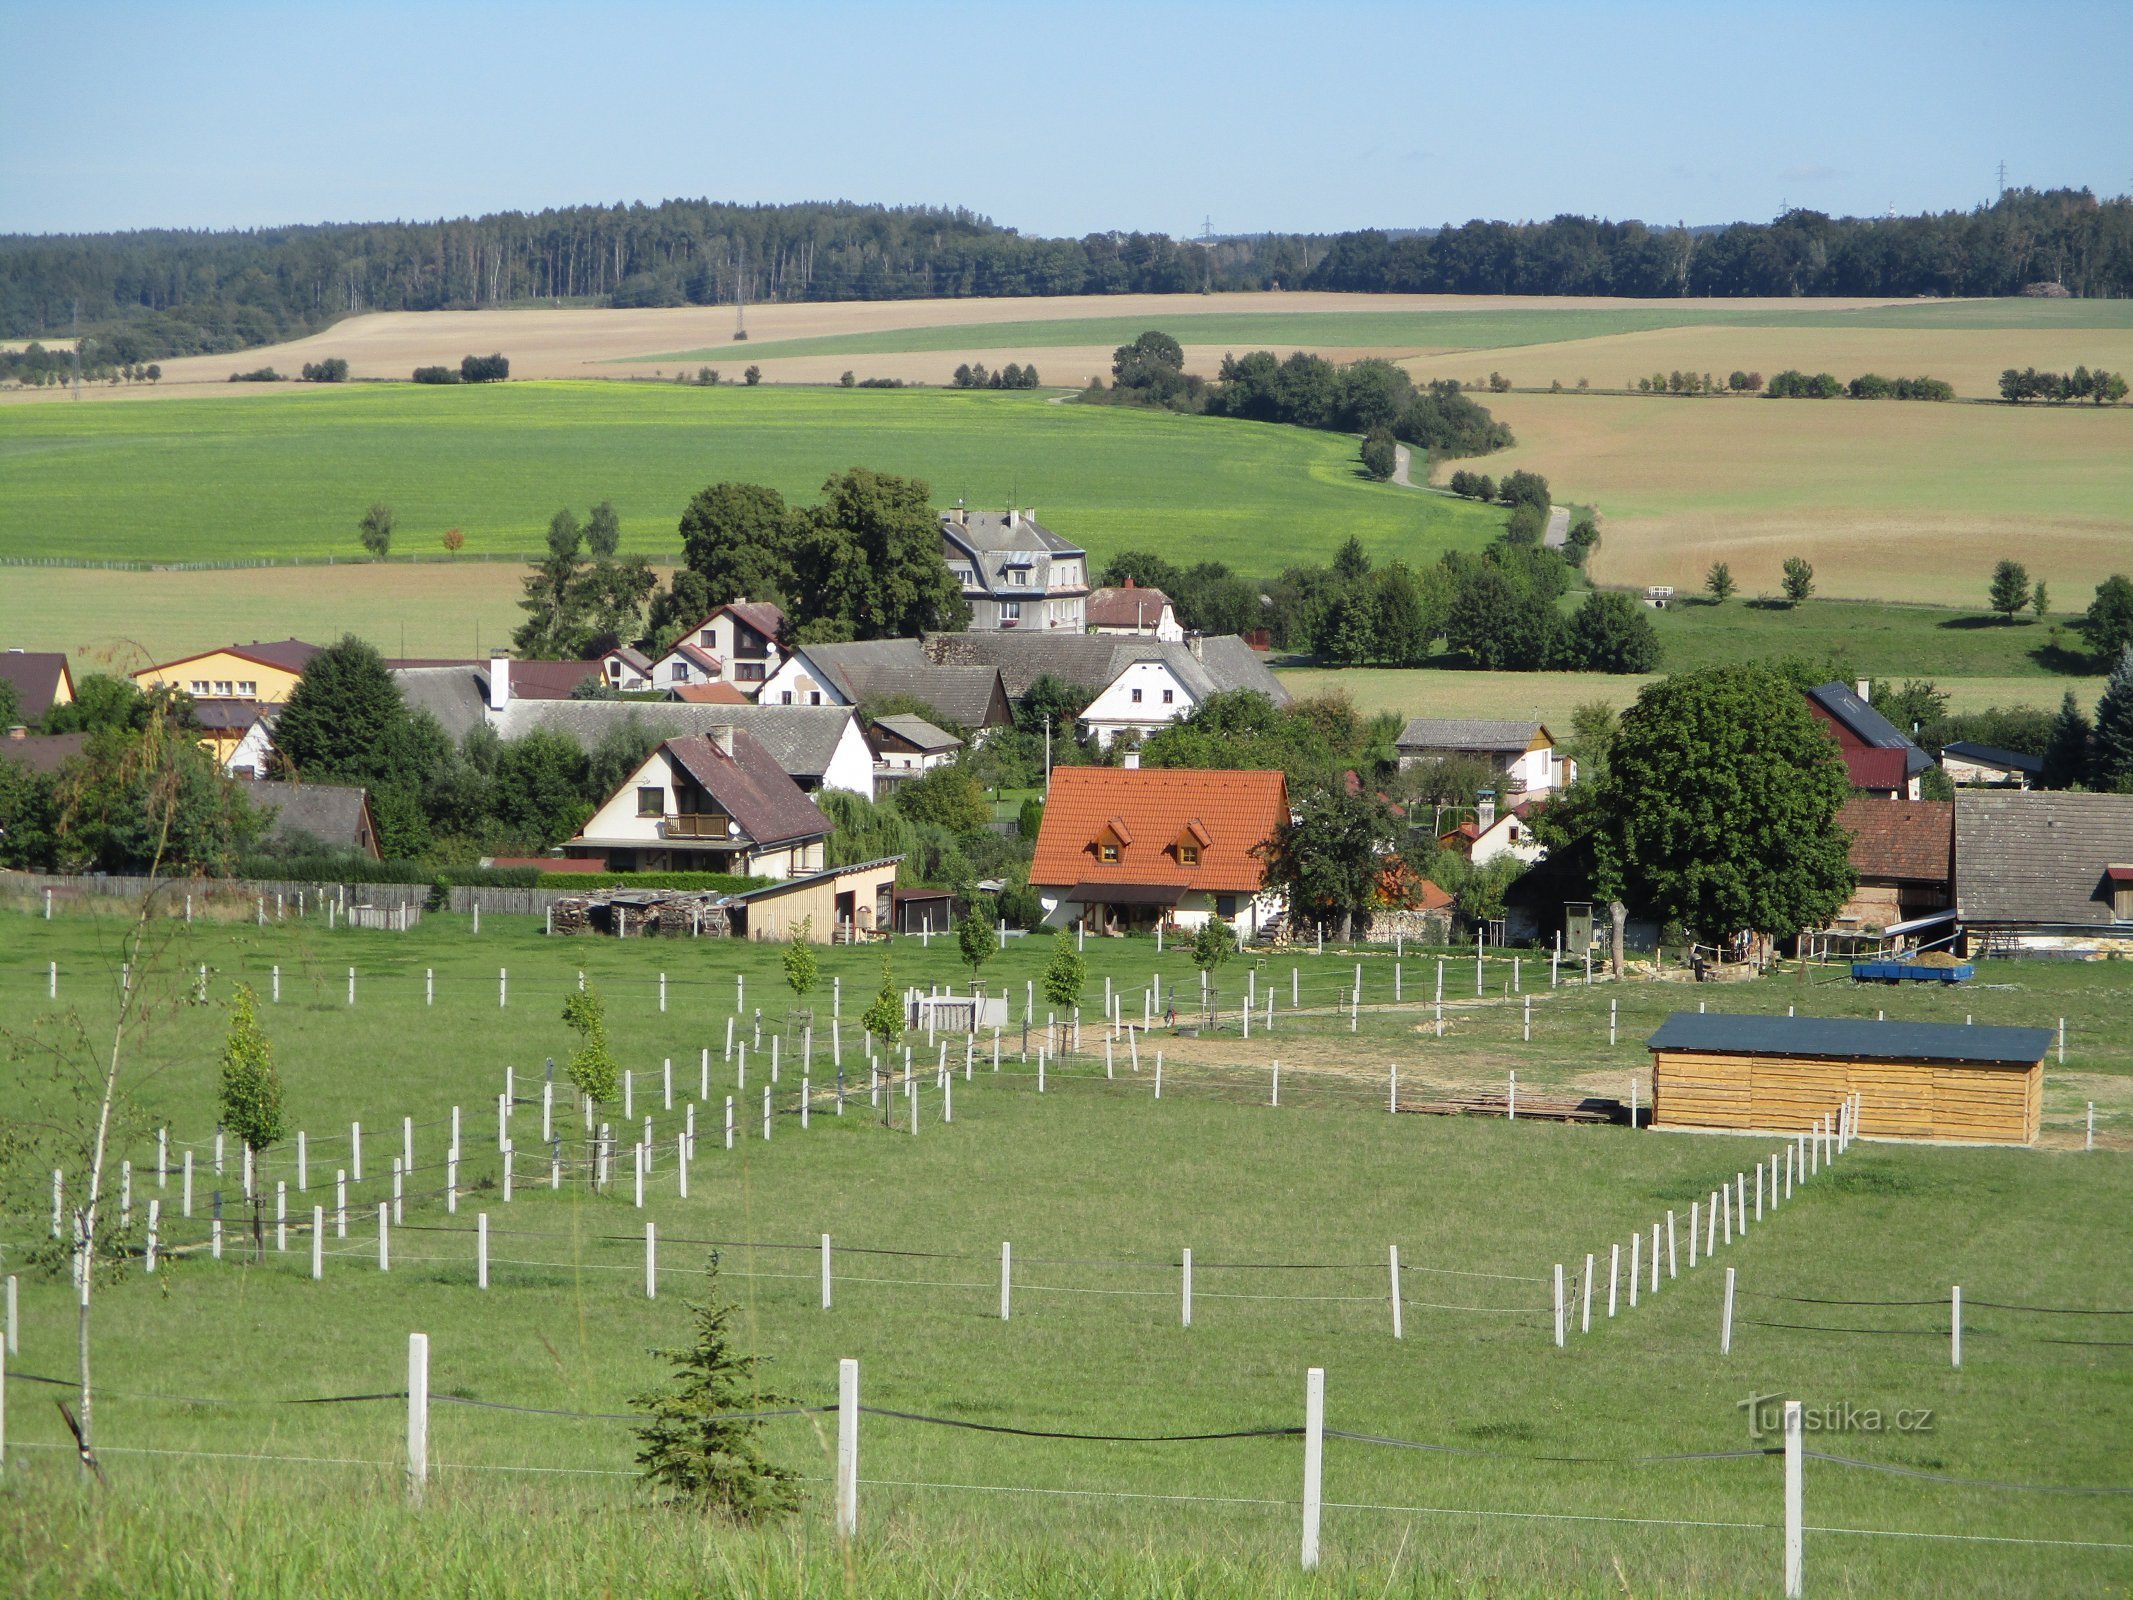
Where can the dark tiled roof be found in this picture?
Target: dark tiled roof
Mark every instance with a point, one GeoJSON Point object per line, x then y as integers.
{"type": "Point", "coordinates": [802, 739]}
{"type": "Point", "coordinates": [1846, 1038]}
{"type": "Point", "coordinates": [1912, 840]}
{"type": "Point", "coordinates": [751, 787]}
{"type": "Point", "coordinates": [42, 752]}
{"type": "Point", "coordinates": [2038, 858]}
{"type": "Point", "coordinates": [918, 732]}
{"type": "Point", "coordinates": [36, 676]}
{"type": "Point", "coordinates": [1993, 756]}
{"type": "Point", "coordinates": [226, 716]}
{"type": "Point", "coordinates": [457, 696]}
{"type": "Point", "coordinates": [547, 680]}
{"type": "Point", "coordinates": [1092, 660]}
{"type": "Point", "coordinates": [291, 655]}
{"type": "Point", "coordinates": [1868, 727]}
{"type": "Point", "coordinates": [1469, 733]}
{"type": "Point", "coordinates": [331, 813]}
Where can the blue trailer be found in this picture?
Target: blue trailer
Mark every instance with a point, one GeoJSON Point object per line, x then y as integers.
{"type": "Point", "coordinates": [1909, 972]}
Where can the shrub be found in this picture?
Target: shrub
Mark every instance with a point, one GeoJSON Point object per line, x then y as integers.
{"type": "Point", "coordinates": [1524, 488]}
{"type": "Point", "coordinates": [435, 375]}
{"type": "Point", "coordinates": [484, 369]}
{"type": "Point", "coordinates": [753, 376]}
{"type": "Point", "coordinates": [1380, 454]}
{"type": "Point", "coordinates": [332, 370]}
{"type": "Point", "coordinates": [258, 375]}
{"type": "Point", "coordinates": [1793, 384]}
{"type": "Point", "coordinates": [454, 540]}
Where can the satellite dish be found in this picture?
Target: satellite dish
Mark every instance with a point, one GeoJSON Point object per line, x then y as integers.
{"type": "Point", "coordinates": [733, 830]}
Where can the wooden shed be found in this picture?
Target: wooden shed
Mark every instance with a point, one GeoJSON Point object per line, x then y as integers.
{"type": "Point", "coordinates": [1914, 1080]}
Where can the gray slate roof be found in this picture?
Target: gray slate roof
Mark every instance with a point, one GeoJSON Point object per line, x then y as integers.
{"type": "Point", "coordinates": [1093, 660]}
{"type": "Point", "coordinates": [331, 813]}
{"type": "Point", "coordinates": [801, 739]}
{"type": "Point", "coordinates": [880, 667]}
{"type": "Point", "coordinates": [992, 530]}
{"type": "Point", "coordinates": [456, 696]}
{"type": "Point", "coordinates": [1850, 1038]}
{"type": "Point", "coordinates": [1467, 733]}
{"type": "Point", "coordinates": [2037, 858]}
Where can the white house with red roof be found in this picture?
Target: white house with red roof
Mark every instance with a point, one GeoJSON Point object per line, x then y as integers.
{"type": "Point", "coordinates": [736, 644]}
{"type": "Point", "coordinates": [714, 802]}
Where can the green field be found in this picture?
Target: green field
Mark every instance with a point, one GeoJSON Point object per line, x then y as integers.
{"type": "Point", "coordinates": [1877, 640]}
{"type": "Point", "coordinates": [288, 476]}
{"type": "Point", "coordinates": [1398, 331]}
{"type": "Point", "coordinates": [1098, 1185]}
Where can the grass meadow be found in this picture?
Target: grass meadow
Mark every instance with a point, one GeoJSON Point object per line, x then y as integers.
{"type": "Point", "coordinates": [1289, 1211]}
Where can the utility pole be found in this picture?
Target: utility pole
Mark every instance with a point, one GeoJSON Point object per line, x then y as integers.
{"type": "Point", "coordinates": [2003, 176]}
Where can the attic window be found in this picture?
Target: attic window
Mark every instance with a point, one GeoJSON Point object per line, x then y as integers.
{"type": "Point", "coordinates": [2120, 877]}
{"type": "Point", "coordinates": [1107, 849]}
{"type": "Point", "coordinates": [1188, 853]}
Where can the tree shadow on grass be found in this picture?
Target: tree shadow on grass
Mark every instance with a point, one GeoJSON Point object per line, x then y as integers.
{"type": "Point", "coordinates": [1989, 621]}
{"type": "Point", "coordinates": [2056, 657]}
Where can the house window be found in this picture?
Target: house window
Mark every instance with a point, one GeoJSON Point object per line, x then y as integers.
{"type": "Point", "coordinates": [249, 688]}
{"type": "Point", "coordinates": [785, 697]}
{"type": "Point", "coordinates": [750, 672]}
{"type": "Point", "coordinates": [1225, 905]}
{"type": "Point", "coordinates": [198, 687]}
{"type": "Point", "coordinates": [679, 672]}
{"type": "Point", "coordinates": [651, 800]}
{"type": "Point", "coordinates": [1168, 696]}
{"type": "Point", "coordinates": [1010, 611]}
{"type": "Point", "coordinates": [814, 697]}
{"type": "Point", "coordinates": [706, 640]}
{"type": "Point", "coordinates": [222, 688]}
{"type": "Point", "coordinates": [1135, 695]}
{"type": "Point", "coordinates": [1018, 576]}
{"type": "Point", "coordinates": [1108, 850]}
{"type": "Point", "coordinates": [1189, 854]}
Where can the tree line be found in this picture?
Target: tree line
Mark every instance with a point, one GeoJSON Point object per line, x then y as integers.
{"type": "Point", "coordinates": [150, 294]}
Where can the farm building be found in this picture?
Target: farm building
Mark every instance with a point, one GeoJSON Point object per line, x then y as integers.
{"type": "Point", "coordinates": [1879, 757]}
{"type": "Point", "coordinates": [1914, 1080]}
{"type": "Point", "coordinates": [2044, 873]}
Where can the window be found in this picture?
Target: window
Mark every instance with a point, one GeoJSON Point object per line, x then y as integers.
{"type": "Point", "coordinates": [706, 639]}
{"type": "Point", "coordinates": [651, 800]}
{"type": "Point", "coordinates": [814, 697]}
{"type": "Point", "coordinates": [1169, 695]}
{"type": "Point", "coordinates": [1108, 850]}
{"type": "Point", "coordinates": [1018, 576]}
{"type": "Point", "coordinates": [1010, 611]}
{"type": "Point", "coordinates": [785, 697]}
{"type": "Point", "coordinates": [1189, 854]}
{"type": "Point", "coordinates": [679, 672]}
{"type": "Point", "coordinates": [751, 672]}
{"type": "Point", "coordinates": [222, 688]}
{"type": "Point", "coordinates": [1225, 905]}
{"type": "Point", "coordinates": [198, 687]}
{"type": "Point", "coordinates": [1135, 695]}
{"type": "Point", "coordinates": [249, 688]}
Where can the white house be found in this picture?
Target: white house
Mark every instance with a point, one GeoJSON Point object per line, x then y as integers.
{"type": "Point", "coordinates": [254, 752]}
{"type": "Point", "coordinates": [736, 644]}
{"type": "Point", "coordinates": [1493, 834]}
{"type": "Point", "coordinates": [1522, 754]}
{"type": "Point", "coordinates": [1149, 694]}
{"type": "Point", "coordinates": [716, 802]}
{"type": "Point", "coordinates": [626, 669]}
{"type": "Point", "coordinates": [1014, 571]}
{"type": "Point", "coordinates": [905, 746]}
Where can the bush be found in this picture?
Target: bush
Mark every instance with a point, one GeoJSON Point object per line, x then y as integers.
{"type": "Point", "coordinates": [484, 369]}
{"type": "Point", "coordinates": [361, 869]}
{"type": "Point", "coordinates": [1526, 525]}
{"type": "Point", "coordinates": [1473, 485]}
{"type": "Point", "coordinates": [1793, 384]}
{"type": "Point", "coordinates": [1380, 454]}
{"type": "Point", "coordinates": [1030, 818]}
{"type": "Point", "coordinates": [332, 370]}
{"type": "Point", "coordinates": [887, 383]}
{"type": "Point", "coordinates": [436, 375]}
{"type": "Point", "coordinates": [258, 375]}
{"type": "Point", "coordinates": [1524, 489]}
{"type": "Point", "coordinates": [1610, 633]}
{"type": "Point", "coordinates": [454, 540]}
{"type": "Point", "coordinates": [753, 376]}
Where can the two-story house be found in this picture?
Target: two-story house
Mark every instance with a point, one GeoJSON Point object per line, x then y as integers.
{"type": "Point", "coordinates": [716, 802]}
{"type": "Point", "coordinates": [1015, 572]}
{"type": "Point", "coordinates": [1879, 757]}
{"type": "Point", "coordinates": [1522, 754]}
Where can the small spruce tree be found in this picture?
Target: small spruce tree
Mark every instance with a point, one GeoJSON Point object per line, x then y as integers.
{"type": "Point", "coordinates": [2066, 753]}
{"type": "Point", "coordinates": [698, 1444]}
{"type": "Point", "coordinates": [2111, 747]}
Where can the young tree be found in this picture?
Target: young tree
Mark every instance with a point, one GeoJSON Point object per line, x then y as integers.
{"type": "Point", "coordinates": [1610, 632]}
{"type": "Point", "coordinates": [1718, 582]}
{"type": "Point", "coordinates": [799, 961]}
{"type": "Point", "coordinates": [1718, 807]}
{"type": "Point", "coordinates": [603, 531]}
{"type": "Point", "coordinates": [1380, 454]}
{"type": "Point", "coordinates": [884, 1015]}
{"type": "Point", "coordinates": [2066, 753]}
{"type": "Point", "coordinates": [376, 529]}
{"type": "Point", "coordinates": [753, 376]}
{"type": "Point", "coordinates": [2111, 747]}
{"type": "Point", "coordinates": [1213, 943]}
{"type": "Point", "coordinates": [592, 1068]}
{"type": "Point", "coordinates": [1799, 580]}
{"type": "Point", "coordinates": [699, 1445]}
{"type": "Point", "coordinates": [2010, 589]}
{"type": "Point", "coordinates": [250, 1097]}
{"type": "Point", "coordinates": [1065, 973]}
{"type": "Point", "coordinates": [976, 938]}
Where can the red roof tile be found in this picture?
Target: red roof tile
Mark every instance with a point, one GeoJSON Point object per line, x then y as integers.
{"type": "Point", "coordinates": [708, 694]}
{"type": "Point", "coordinates": [1156, 807]}
{"type": "Point", "coordinates": [1909, 839]}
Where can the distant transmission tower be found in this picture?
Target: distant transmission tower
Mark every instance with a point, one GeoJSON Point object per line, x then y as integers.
{"type": "Point", "coordinates": [1207, 255]}
{"type": "Point", "coordinates": [2003, 177]}
{"type": "Point", "coordinates": [740, 296]}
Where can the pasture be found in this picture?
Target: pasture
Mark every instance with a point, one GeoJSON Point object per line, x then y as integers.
{"type": "Point", "coordinates": [1098, 1185]}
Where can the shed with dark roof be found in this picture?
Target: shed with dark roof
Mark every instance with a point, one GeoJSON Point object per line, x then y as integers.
{"type": "Point", "coordinates": [1913, 1080]}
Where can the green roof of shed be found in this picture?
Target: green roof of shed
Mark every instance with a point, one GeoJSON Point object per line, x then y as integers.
{"type": "Point", "coordinates": [1850, 1038]}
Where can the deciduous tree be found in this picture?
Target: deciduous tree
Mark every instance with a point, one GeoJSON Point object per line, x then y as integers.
{"type": "Point", "coordinates": [376, 529]}
{"type": "Point", "coordinates": [1718, 583]}
{"type": "Point", "coordinates": [249, 1096]}
{"type": "Point", "coordinates": [1799, 579]}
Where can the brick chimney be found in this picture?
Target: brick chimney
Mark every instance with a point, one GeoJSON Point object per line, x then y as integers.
{"type": "Point", "coordinates": [499, 679]}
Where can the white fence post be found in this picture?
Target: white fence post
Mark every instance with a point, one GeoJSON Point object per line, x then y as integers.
{"type": "Point", "coordinates": [1725, 1322]}
{"type": "Point", "coordinates": [1614, 1275]}
{"type": "Point", "coordinates": [1188, 1289]}
{"type": "Point", "coordinates": [825, 1272]}
{"type": "Point", "coordinates": [481, 1250]}
{"type": "Point", "coordinates": [318, 1243]}
{"type": "Point", "coordinates": [1955, 1326]}
{"type": "Point", "coordinates": [1397, 1331]}
{"type": "Point", "coordinates": [1585, 1316]}
{"type": "Point", "coordinates": [651, 1262]}
{"type": "Point", "coordinates": [847, 1444]}
{"type": "Point", "coordinates": [418, 1414]}
{"type": "Point", "coordinates": [385, 1259]}
{"type": "Point", "coordinates": [1795, 1541]}
{"type": "Point", "coordinates": [1314, 1461]}
{"type": "Point", "coordinates": [1006, 1278]}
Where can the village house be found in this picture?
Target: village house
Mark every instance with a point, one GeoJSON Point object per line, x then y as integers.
{"type": "Point", "coordinates": [1903, 858]}
{"type": "Point", "coordinates": [235, 690]}
{"type": "Point", "coordinates": [1521, 754]}
{"type": "Point", "coordinates": [1879, 757]}
{"type": "Point", "coordinates": [1134, 611]}
{"type": "Point", "coordinates": [716, 802]}
{"type": "Point", "coordinates": [905, 746]}
{"type": "Point", "coordinates": [971, 696]}
{"type": "Point", "coordinates": [1494, 834]}
{"type": "Point", "coordinates": [1987, 766]}
{"type": "Point", "coordinates": [2043, 872]}
{"type": "Point", "coordinates": [1130, 847]}
{"type": "Point", "coordinates": [40, 680]}
{"type": "Point", "coordinates": [736, 644]}
{"type": "Point", "coordinates": [1014, 571]}
{"type": "Point", "coordinates": [316, 818]}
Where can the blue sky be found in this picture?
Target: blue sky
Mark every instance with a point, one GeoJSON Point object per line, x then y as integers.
{"type": "Point", "coordinates": [1053, 118]}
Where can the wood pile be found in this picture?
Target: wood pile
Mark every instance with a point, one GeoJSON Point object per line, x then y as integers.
{"type": "Point", "coordinates": [641, 913]}
{"type": "Point", "coordinates": [1540, 1107]}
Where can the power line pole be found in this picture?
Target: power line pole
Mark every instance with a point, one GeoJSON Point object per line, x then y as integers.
{"type": "Point", "coordinates": [2003, 177]}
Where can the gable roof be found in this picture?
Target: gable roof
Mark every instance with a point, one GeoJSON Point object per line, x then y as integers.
{"type": "Point", "coordinates": [1238, 811]}
{"type": "Point", "coordinates": [1988, 755]}
{"type": "Point", "coordinates": [919, 732]}
{"type": "Point", "coordinates": [2039, 857]}
{"type": "Point", "coordinates": [42, 752]}
{"type": "Point", "coordinates": [633, 658]}
{"type": "Point", "coordinates": [1092, 661]}
{"type": "Point", "coordinates": [545, 680]}
{"type": "Point", "coordinates": [1910, 840]}
{"type": "Point", "coordinates": [36, 677]}
{"type": "Point", "coordinates": [696, 655]}
{"type": "Point", "coordinates": [1471, 733]}
{"type": "Point", "coordinates": [1840, 705]}
{"type": "Point", "coordinates": [336, 815]}
{"type": "Point", "coordinates": [290, 655]}
{"type": "Point", "coordinates": [801, 739]}
{"type": "Point", "coordinates": [970, 696]}
{"type": "Point", "coordinates": [1128, 606]}
{"type": "Point", "coordinates": [706, 694]}
{"type": "Point", "coordinates": [457, 696]}
{"type": "Point", "coordinates": [1846, 1038]}
{"type": "Point", "coordinates": [751, 787]}
{"type": "Point", "coordinates": [760, 615]}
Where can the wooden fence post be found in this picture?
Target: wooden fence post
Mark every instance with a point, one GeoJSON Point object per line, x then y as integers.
{"type": "Point", "coordinates": [1795, 1541]}
{"type": "Point", "coordinates": [1725, 1323]}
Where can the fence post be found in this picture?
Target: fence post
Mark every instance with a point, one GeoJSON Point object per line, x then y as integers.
{"type": "Point", "coordinates": [318, 1243]}
{"type": "Point", "coordinates": [1006, 1278]}
{"type": "Point", "coordinates": [1396, 1329]}
{"type": "Point", "coordinates": [1188, 1289]}
{"type": "Point", "coordinates": [1559, 1305]}
{"type": "Point", "coordinates": [14, 1330]}
{"type": "Point", "coordinates": [1314, 1461]}
{"type": "Point", "coordinates": [1725, 1322]}
{"type": "Point", "coordinates": [848, 1443]}
{"type": "Point", "coordinates": [1585, 1316]}
{"type": "Point", "coordinates": [1955, 1326]}
{"type": "Point", "coordinates": [651, 1262]}
{"type": "Point", "coordinates": [1795, 1541]}
{"type": "Point", "coordinates": [385, 1260]}
{"type": "Point", "coordinates": [418, 1414]}
{"type": "Point", "coordinates": [355, 1150]}
{"type": "Point", "coordinates": [1614, 1275]}
{"type": "Point", "coordinates": [1673, 1261]}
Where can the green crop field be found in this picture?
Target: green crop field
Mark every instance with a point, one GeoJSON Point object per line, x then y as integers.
{"type": "Point", "coordinates": [1407, 331]}
{"type": "Point", "coordinates": [1098, 1185]}
{"type": "Point", "coordinates": [288, 476]}
{"type": "Point", "coordinates": [1877, 640]}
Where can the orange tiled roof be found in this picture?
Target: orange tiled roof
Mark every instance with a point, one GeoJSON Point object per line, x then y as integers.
{"type": "Point", "coordinates": [1907, 839]}
{"type": "Point", "coordinates": [1156, 807]}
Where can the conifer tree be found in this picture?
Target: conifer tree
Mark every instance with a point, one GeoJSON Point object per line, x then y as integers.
{"type": "Point", "coordinates": [2111, 748]}
{"type": "Point", "coordinates": [251, 1095]}
{"type": "Point", "coordinates": [2066, 755]}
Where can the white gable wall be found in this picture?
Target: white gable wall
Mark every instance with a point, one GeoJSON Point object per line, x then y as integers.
{"type": "Point", "coordinates": [1141, 699]}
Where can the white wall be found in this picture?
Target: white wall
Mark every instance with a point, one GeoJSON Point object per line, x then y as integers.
{"type": "Point", "coordinates": [1115, 711]}
{"type": "Point", "coordinates": [851, 766]}
{"type": "Point", "coordinates": [798, 677]}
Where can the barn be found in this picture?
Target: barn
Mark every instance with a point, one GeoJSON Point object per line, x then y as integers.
{"type": "Point", "coordinates": [1914, 1080]}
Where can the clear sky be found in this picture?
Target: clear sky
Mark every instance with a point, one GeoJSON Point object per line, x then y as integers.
{"type": "Point", "coordinates": [1056, 118]}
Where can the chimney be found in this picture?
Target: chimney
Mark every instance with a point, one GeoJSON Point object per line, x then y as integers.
{"type": "Point", "coordinates": [1865, 686]}
{"type": "Point", "coordinates": [1485, 810]}
{"type": "Point", "coordinates": [17, 731]}
{"type": "Point", "coordinates": [722, 738]}
{"type": "Point", "coordinates": [955, 513]}
{"type": "Point", "coordinates": [499, 680]}
{"type": "Point", "coordinates": [1133, 761]}
{"type": "Point", "coordinates": [1198, 645]}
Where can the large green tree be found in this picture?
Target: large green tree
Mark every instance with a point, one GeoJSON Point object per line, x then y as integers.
{"type": "Point", "coordinates": [2009, 592]}
{"type": "Point", "coordinates": [2066, 754]}
{"type": "Point", "coordinates": [2108, 623]}
{"type": "Point", "coordinates": [1610, 633]}
{"type": "Point", "coordinates": [1328, 857]}
{"type": "Point", "coordinates": [1718, 807]}
{"type": "Point", "coordinates": [742, 539]}
{"type": "Point", "coordinates": [342, 717]}
{"type": "Point", "coordinates": [2111, 749]}
{"type": "Point", "coordinates": [1501, 624]}
{"type": "Point", "coordinates": [873, 558]}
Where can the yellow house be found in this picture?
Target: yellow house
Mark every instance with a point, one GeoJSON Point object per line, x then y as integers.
{"type": "Point", "coordinates": [231, 686]}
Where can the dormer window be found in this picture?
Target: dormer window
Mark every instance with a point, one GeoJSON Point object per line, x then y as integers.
{"type": "Point", "coordinates": [1107, 849]}
{"type": "Point", "coordinates": [1188, 854]}
{"type": "Point", "coordinates": [1191, 842]}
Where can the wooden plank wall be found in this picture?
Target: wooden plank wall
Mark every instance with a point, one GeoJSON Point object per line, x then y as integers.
{"type": "Point", "coordinates": [1898, 1099]}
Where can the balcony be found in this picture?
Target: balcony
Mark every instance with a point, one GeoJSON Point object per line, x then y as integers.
{"type": "Point", "coordinates": [698, 825]}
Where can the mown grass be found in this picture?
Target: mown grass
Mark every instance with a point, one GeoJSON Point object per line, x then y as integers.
{"type": "Point", "coordinates": [288, 476]}
{"type": "Point", "coordinates": [1098, 1185]}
